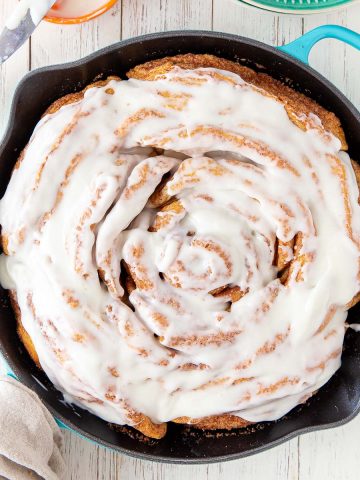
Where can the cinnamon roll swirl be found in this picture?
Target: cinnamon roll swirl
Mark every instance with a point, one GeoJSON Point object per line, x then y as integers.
{"type": "Point", "coordinates": [184, 245]}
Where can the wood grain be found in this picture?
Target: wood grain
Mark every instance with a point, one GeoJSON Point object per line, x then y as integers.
{"type": "Point", "coordinates": [96, 463]}
{"type": "Point", "coordinates": [144, 16]}
{"type": "Point", "coordinates": [11, 71]}
{"type": "Point", "coordinates": [51, 43]}
{"type": "Point", "coordinates": [327, 455]}
{"type": "Point", "coordinates": [336, 61]}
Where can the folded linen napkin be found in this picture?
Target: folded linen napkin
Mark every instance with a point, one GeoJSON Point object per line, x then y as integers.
{"type": "Point", "coordinates": [30, 439]}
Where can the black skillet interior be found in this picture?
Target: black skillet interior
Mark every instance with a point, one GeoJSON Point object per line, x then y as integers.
{"type": "Point", "coordinates": [337, 402]}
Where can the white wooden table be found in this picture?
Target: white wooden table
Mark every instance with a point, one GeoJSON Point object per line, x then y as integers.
{"type": "Point", "coordinates": [328, 455]}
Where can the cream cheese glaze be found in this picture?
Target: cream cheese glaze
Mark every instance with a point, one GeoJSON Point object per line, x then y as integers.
{"type": "Point", "coordinates": [242, 175]}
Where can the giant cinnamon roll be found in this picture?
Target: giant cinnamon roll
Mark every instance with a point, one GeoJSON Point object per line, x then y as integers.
{"type": "Point", "coordinates": [184, 245]}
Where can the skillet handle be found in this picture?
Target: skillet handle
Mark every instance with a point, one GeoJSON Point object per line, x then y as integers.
{"type": "Point", "coordinates": [62, 425]}
{"type": "Point", "coordinates": [300, 48]}
{"type": "Point", "coordinates": [7, 368]}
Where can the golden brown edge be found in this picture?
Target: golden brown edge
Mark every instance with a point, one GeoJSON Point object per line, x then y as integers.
{"type": "Point", "coordinates": [297, 102]}
{"type": "Point", "coordinates": [151, 70]}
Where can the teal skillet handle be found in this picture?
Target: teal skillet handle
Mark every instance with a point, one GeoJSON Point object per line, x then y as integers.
{"type": "Point", "coordinates": [11, 374]}
{"type": "Point", "coordinates": [62, 425]}
{"type": "Point", "coordinates": [300, 48]}
{"type": "Point", "coordinates": [7, 368]}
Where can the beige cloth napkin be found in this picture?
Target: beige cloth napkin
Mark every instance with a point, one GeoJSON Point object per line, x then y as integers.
{"type": "Point", "coordinates": [30, 439]}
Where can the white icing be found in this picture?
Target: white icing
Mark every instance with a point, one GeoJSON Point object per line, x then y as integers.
{"type": "Point", "coordinates": [79, 203]}
{"type": "Point", "coordinates": [355, 327]}
{"type": "Point", "coordinates": [38, 9]}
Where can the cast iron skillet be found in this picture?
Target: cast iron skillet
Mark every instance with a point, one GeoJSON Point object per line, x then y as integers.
{"type": "Point", "coordinates": [336, 403]}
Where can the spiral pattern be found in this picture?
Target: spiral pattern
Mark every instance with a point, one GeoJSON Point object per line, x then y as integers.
{"type": "Point", "coordinates": [183, 247]}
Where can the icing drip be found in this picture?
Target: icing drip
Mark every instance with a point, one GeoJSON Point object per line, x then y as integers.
{"type": "Point", "coordinates": [213, 324]}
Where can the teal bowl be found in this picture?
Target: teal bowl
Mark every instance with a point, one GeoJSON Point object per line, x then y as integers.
{"type": "Point", "coordinates": [298, 7]}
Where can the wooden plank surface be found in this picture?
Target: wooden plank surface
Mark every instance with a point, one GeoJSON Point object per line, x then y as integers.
{"type": "Point", "coordinates": [12, 70]}
{"type": "Point", "coordinates": [327, 455]}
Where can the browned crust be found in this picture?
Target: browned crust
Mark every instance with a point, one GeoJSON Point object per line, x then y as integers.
{"type": "Point", "coordinates": [56, 105]}
{"type": "Point", "coordinates": [353, 301]}
{"type": "Point", "coordinates": [148, 71]}
{"type": "Point", "coordinates": [144, 425]}
{"type": "Point", "coordinates": [76, 97]}
{"type": "Point", "coordinates": [297, 102]}
{"type": "Point", "coordinates": [24, 336]}
{"type": "Point", "coordinates": [214, 422]}
{"type": "Point", "coordinates": [356, 168]}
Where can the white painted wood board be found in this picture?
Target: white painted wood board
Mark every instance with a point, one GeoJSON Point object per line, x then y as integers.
{"type": "Point", "coordinates": [328, 455]}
